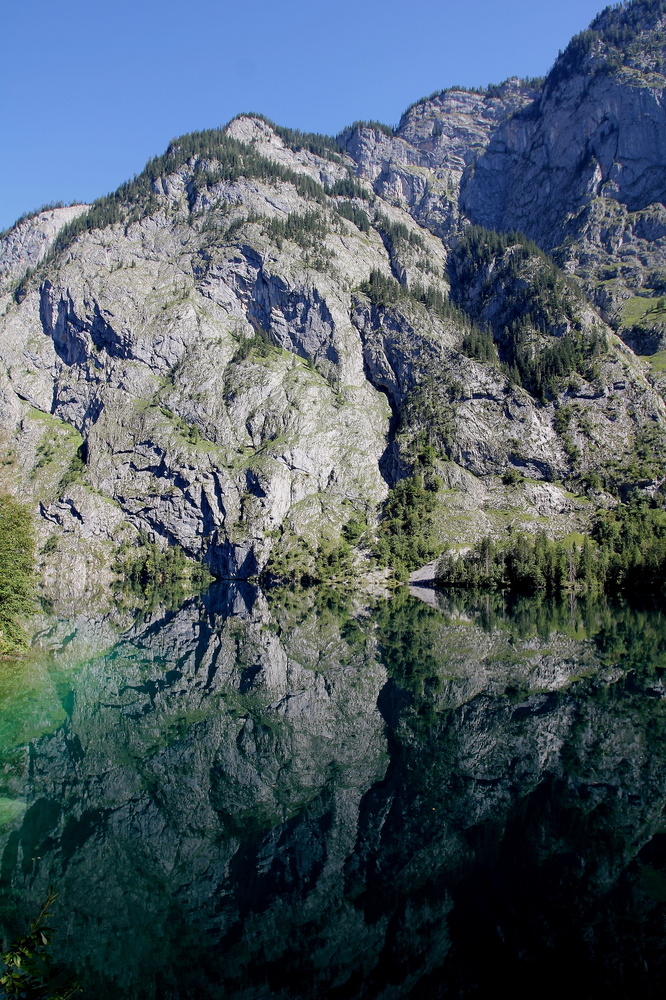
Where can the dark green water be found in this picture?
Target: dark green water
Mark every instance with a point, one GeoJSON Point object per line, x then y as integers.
{"type": "Point", "coordinates": [244, 800]}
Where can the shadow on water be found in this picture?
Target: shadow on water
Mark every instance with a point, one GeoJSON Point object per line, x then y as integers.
{"type": "Point", "coordinates": [302, 797]}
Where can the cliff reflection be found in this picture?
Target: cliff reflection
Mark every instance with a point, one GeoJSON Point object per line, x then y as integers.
{"type": "Point", "coordinates": [249, 799]}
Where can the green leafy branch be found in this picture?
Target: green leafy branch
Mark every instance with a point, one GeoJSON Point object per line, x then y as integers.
{"type": "Point", "coordinates": [29, 973]}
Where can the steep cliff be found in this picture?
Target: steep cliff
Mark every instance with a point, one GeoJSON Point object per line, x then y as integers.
{"type": "Point", "coordinates": [581, 169]}
{"type": "Point", "coordinates": [30, 239]}
{"type": "Point", "coordinates": [242, 350]}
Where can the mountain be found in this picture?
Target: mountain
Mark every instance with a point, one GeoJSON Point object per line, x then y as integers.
{"type": "Point", "coordinates": [581, 169]}
{"type": "Point", "coordinates": [279, 351]}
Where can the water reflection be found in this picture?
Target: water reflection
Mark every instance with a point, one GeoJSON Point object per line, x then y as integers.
{"type": "Point", "coordinates": [253, 799]}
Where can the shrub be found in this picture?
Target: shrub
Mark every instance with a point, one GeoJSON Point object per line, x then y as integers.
{"type": "Point", "coordinates": [29, 973]}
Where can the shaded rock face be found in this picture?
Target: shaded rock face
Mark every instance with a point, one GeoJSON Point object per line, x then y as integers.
{"type": "Point", "coordinates": [583, 140]}
{"type": "Point", "coordinates": [210, 364]}
{"type": "Point", "coordinates": [580, 170]}
{"type": "Point", "coordinates": [235, 797]}
{"type": "Point", "coordinates": [421, 166]}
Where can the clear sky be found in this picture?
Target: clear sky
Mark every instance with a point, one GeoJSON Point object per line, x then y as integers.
{"type": "Point", "coordinates": [90, 89]}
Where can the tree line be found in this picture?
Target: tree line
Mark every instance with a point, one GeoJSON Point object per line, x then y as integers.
{"type": "Point", "coordinates": [625, 551]}
{"type": "Point", "coordinates": [218, 157]}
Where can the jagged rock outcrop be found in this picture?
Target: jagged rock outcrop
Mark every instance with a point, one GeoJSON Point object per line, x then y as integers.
{"type": "Point", "coordinates": [581, 169]}
{"type": "Point", "coordinates": [576, 162]}
{"type": "Point", "coordinates": [422, 164]}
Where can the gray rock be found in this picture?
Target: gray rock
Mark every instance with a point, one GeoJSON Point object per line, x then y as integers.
{"type": "Point", "coordinates": [228, 380]}
{"type": "Point", "coordinates": [28, 241]}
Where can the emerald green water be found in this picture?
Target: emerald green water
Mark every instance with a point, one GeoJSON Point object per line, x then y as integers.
{"type": "Point", "coordinates": [246, 800]}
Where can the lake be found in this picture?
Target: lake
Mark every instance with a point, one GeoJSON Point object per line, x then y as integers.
{"type": "Point", "coordinates": [290, 796]}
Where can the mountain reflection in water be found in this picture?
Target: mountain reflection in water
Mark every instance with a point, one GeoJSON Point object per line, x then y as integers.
{"type": "Point", "coordinates": [248, 799]}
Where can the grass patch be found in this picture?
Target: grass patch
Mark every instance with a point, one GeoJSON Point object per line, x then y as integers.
{"type": "Point", "coordinates": [573, 538]}
{"type": "Point", "coordinates": [657, 361]}
{"type": "Point", "coordinates": [641, 307]}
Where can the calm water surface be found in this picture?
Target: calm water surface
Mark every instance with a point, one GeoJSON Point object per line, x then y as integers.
{"type": "Point", "coordinates": [242, 799]}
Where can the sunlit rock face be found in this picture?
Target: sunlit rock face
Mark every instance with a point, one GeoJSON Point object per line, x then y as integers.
{"type": "Point", "coordinates": [30, 239]}
{"type": "Point", "coordinates": [243, 796]}
{"type": "Point", "coordinates": [247, 345]}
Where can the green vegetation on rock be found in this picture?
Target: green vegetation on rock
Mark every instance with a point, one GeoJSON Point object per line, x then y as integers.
{"type": "Point", "coordinates": [17, 553]}
{"type": "Point", "coordinates": [330, 563]}
{"type": "Point", "coordinates": [644, 309]}
{"type": "Point", "coordinates": [384, 291]}
{"type": "Point", "coordinates": [356, 215]}
{"type": "Point", "coordinates": [29, 972]}
{"type": "Point", "coordinates": [397, 233]}
{"type": "Point", "coordinates": [657, 361]}
{"type": "Point", "coordinates": [307, 230]}
{"type": "Point", "coordinates": [405, 536]}
{"type": "Point", "coordinates": [348, 187]}
{"type": "Point", "coordinates": [616, 37]}
{"type": "Point", "coordinates": [522, 562]}
{"type": "Point", "coordinates": [326, 146]}
{"type": "Point", "coordinates": [373, 124]}
{"type": "Point", "coordinates": [216, 157]}
{"type": "Point", "coordinates": [480, 345]}
{"type": "Point", "coordinates": [259, 344]}
{"type": "Point", "coordinates": [509, 285]}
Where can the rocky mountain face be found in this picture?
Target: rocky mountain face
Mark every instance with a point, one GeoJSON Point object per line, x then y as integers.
{"type": "Point", "coordinates": [581, 168]}
{"type": "Point", "coordinates": [422, 163]}
{"type": "Point", "coordinates": [245, 348]}
{"type": "Point", "coordinates": [30, 239]}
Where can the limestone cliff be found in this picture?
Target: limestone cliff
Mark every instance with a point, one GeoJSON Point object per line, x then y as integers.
{"type": "Point", "coordinates": [30, 239]}
{"type": "Point", "coordinates": [581, 169]}
{"type": "Point", "coordinates": [245, 347]}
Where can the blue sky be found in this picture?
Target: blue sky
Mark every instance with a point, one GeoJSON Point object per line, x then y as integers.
{"type": "Point", "coordinates": [90, 90]}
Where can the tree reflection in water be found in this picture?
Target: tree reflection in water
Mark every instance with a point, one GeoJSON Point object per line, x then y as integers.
{"type": "Point", "coordinates": [251, 798]}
